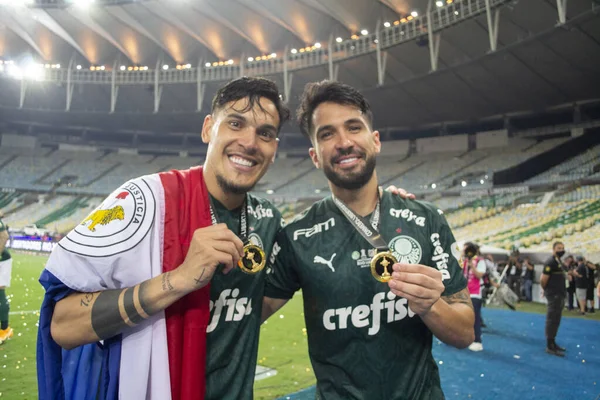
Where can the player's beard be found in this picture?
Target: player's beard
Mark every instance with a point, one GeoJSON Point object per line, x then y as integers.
{"type": "Point", "coordinates": [351, 180]}
{"type": "Point", "coordinates": [232, 187]}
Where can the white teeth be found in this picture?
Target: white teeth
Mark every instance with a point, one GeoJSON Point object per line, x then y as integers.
{"type": "Point", "coordinates": [241, 161]}
{"type": "Point", "coordinates": [348, 160]}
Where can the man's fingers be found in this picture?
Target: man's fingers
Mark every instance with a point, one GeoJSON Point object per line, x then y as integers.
{"type": "Point", "coordinates": [419, 269]}
{"type": "Point", "coordinates": [226, 260]}
{"type": "Point", "coordinates": [417, 279]}
{"type": "Point", "coordinates": [415, 291]}
{"type": "Point", "coordinates": [228, 247]}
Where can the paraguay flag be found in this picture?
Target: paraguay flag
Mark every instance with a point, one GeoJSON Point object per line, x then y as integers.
{"type": "Point", "coordinates": [141, 230]}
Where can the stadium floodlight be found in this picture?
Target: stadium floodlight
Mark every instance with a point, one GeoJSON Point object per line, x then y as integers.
{"type": "Point", "coordinates": [294, 51]}
{"type": "Point", "coordinates": [205, 64]}
{"type": "Point", "coordinates": [433, 185]}
{"type": "Point", "coordinates": [364, 32]}
{"type": "Point", "coordinates": [414, 14]}
{"type": "Point", "coordinates": [230, 62]}
{"type": "Point", "coordinates": [83, 3]}
{"type": "Point", "coordinates": [486, 177]}
{"type": "Point", "coordinates": [273, 55]}
{"type": "Point", "coordinates": [463, 183]}
{"type": "Point", "coordinates": [250, 59]}
{"type": "Point", "coordinates": [270, 191]}
{"type": "Point", "coordinates": [78, 67]}
{"type": "Point", "coordinates": [122, 68]}
{"type": "Point", "coordinates": [439, 3]}
{"type": "Point", "coordinates": [482, 181]}
{"type": "Point", "coordinates": [456, 12]}
{"type": "Point", "coordinates": [339, 39]}
{"type": "Point", "coordinates": [317, 191]}
{"type": "Point", "coordinates": [387, 24]}
{"type": "Point", "coordinates": [165, 67]}
{"type": "Point", "coordinates": [318, 45]}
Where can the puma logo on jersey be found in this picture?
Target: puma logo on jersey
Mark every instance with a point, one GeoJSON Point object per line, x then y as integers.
{"type": "Point", "coordinates": [321, 260]}
{"type": "Point", "coordinates": [368, 315]}
{"type": "Point", "coordinates": [318, 228]}
{"type": "Point", "coordinates": [234, 309]}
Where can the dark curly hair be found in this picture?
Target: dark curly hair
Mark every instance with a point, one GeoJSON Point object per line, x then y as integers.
{"type": "Point", "coordinates": [329, 91]}
{"type": "Point", "coordinates": [253, 89]}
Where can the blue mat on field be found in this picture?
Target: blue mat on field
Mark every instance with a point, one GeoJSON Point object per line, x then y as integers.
{"type": "Point", "coordinates": [513, 364]}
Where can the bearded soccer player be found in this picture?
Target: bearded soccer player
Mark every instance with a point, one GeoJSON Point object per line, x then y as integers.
{"type": "Point", "coordinates": [369, 329]}
{"type": "Point", "coordinates": [158, 293]}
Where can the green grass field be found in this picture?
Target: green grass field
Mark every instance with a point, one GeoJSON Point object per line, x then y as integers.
{"type": "Point", "coordinates": [283, 341]}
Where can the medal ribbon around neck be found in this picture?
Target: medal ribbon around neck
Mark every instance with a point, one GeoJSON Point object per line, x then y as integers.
{"type": "Point", "coordinates": [254, 258]}
{"type": "Point", "coordinates": [382, 261]}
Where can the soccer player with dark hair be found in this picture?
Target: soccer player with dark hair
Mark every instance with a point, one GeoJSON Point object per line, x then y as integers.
{"type": "Point", "coordinates": [379, 274]}
{"type": "Point", "coordinates": [158, 293]}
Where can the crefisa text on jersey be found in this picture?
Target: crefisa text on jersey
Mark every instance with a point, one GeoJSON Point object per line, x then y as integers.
{"type": "Point", "coordinates": [364, 315]}
{"type": "Point", "coordinates": [234, 308]}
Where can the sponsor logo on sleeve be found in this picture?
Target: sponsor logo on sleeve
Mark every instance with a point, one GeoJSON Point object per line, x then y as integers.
{"type": "Point", "coordinates": [117, 225]}
{"type": "Point", "coordinates": [440, 257]}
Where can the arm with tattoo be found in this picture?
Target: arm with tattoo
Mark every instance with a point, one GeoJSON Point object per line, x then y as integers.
{"type": "Point", "coordinates": [88, 317]}
{"type": "Point", "coordinates": [451, 319]}
{"type": "Point", "coordinates": [462, 297]}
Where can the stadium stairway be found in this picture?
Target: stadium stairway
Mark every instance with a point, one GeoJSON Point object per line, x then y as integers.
{"type": "Point", "coordinates": [100, 175]}
{"type": "Point", "coordinates": [49, 173]}
{"type": "Point", "coordinates": [7, 161]}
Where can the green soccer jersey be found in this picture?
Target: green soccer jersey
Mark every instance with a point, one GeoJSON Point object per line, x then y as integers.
{"type": "Point", "coordinates": [235, 308]}
{"type": "Point", "coordinates": [5, 255]}
{"type": "Point", "coordinates": [364, 342]}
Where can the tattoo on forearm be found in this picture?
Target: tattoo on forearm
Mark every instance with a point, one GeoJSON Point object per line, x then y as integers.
{"type": "Point", "coordinates": [461, 297]}
{"type": "Point", "coordinates": [166, 282]}
{"type": "Point", "coordinates": [87, 299]}
{"type": "Point", "coordinates": [115, 310]}
{"type": "Point", "coordinates": [199, 280]}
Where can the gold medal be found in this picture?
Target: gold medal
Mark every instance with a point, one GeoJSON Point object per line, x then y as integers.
{"type": "Point", "coordinates": [381, 266]}
{"type": "Point", "coordinates": [254, 259]}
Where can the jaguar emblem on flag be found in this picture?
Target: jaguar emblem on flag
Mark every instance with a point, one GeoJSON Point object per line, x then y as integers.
{"type": "Point", "coordinates": [104, 217]}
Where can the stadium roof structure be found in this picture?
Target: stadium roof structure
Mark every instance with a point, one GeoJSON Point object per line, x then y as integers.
{"type": "Point", "coordinates": [153, 65]}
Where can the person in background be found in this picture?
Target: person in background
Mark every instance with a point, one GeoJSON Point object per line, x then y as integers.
{"type": "Point", "coordinates": [528, 272]}
{"type": "Point", "coordinates": [591, 270]}
{"type": "Point", "coordinates": [570, 265]}
{"type": "Point", "coordinates": [514, 273]}
{"type": "Point", "coordinates": [474, 268]}
{"type": "Point", "coordinates": [581, 283]}
{"type": "Point", "coordinates": [553, 285]}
